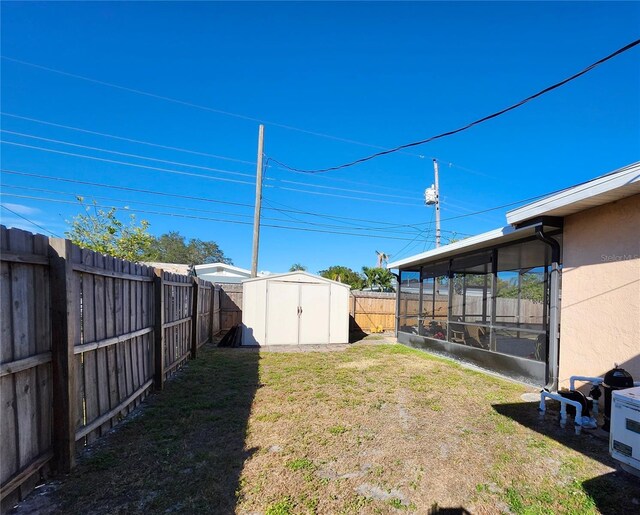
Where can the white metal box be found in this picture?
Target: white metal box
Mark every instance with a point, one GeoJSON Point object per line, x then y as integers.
{"type": "Point", "coordinates": [624, 438]}
{"type": "Point", "coordinates": [294, 309]}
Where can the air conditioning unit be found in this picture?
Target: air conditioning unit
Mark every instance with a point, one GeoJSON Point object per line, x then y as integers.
{"type": "Point", "coordinates": [624, 438]}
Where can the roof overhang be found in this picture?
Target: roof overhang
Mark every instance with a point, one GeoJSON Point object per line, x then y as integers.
{"type": "Point", "coordinates": [616, 185]}
{"type": "Point", "coordinates": [483, 241]}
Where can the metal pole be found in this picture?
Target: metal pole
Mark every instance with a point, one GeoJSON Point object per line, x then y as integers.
{"type": "Point", "coordinates": [256, 214]}
{"type": "Point", "coordinates": [437, 186]}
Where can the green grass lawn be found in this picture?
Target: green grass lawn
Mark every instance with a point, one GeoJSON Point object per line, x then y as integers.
{"type": "Point", "coordinates": [376, 428]}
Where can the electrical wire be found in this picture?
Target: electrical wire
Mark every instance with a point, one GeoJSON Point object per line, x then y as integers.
{"type": "Point", "coordinates": [136, 156]}
{"type": "Point", "coordinates": [471, 124]}
{"type": "Point", "coordinates": [390, 225]}
{"type": "Point", "coordinates": [194, 105]}
{"type": "Point", "coordinates": [208, 177]}
{"type": "Point", "coordinates": [190, 208]}
{"type": "Point", "coordinates": [30, 221]}
{"type": "Point", "coordinates": [205, 154]}
{"type": "Point", "coordinates": [176, 163]}
{"type": "Point", "coordinates": [130, 140]}
{"type": "Point", "coordinates": [190, 197]}
{"type": "Point", "coordinates": [220, 220]}
{"type": "Point", "coordinates": [154, 168]}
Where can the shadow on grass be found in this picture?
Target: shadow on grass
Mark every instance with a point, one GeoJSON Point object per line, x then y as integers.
{"type": "Point", "coordinates": [609, 491]}
{"type": "Point", "coordinates": [355, 331]}
{"type": "Point", "coordinates": [184, 453]}
{"type": "Point", "coordinates": [436, 510]}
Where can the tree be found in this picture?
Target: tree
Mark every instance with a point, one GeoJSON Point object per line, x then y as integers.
{"type": "Point", "coordinates": [297, 267]}
{"type": "Point", "coordinates": [102, 231]}
{"type": "Point", "coordinates": [379, 279]}
{"type": "Point", "coordinates": [531, 287]}
{"type": "Point", "coordinates": [171, 247]}
{"type": "Point", "coordinates": [344, 275]}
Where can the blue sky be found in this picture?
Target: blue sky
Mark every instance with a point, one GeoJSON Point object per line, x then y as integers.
{"type": "Point", "coordinates": [381, 74]}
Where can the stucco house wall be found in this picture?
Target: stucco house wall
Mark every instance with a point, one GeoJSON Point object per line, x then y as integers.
{"type": "Point", "coordinates": [600, 308]}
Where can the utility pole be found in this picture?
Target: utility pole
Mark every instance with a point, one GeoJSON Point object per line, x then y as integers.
{"type": "Point", "coordinates": [437, 186]}
{"type": "Point", "coordinates": [432, 197]}
{"type": "Point", "coordinates": [256, 213]}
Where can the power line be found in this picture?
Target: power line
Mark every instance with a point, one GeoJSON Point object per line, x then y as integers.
{"type": "Point", "coordinates": [341, 189]}
{"type": "Point", "coordinates": [136, 156]}
{"type": "Point", "coordinates": [130, 140]}
{"type": "Point", "coordinates": [191, 174]}
{"type": "Point", "coordinates": [177, 163]}
{"type": "Point", "coordinates": [30, 221]}
{"type": "Point", "coordinates": [201, 199]}
{"type": "Point", "coordinates": [220, 220]}
{"type": "Point", "coordinates": [205, 154]}
{"type": "Point", "coordinates": [291, 210]}
{"type": "Point", "coordinates": [154, 168]}
{"type": "Point", "coordinates": [423, 231]}
{"type": "Point", "coordinates": [344, 196]}
{"type": "Point", "coordinates": [173, 206]}
{"type": "Point", "coordinates": [193, 104]}
{"type": "Point", "coordinates": [124, 188]}
{"type": "Point", "coordinates": [390, 225]}
{"type": "Point", "coordinates": [469, 125]}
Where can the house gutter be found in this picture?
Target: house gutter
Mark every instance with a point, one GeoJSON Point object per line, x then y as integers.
{"type": "Point", "coordinates": [397, 321]}
{"type": "Point", "coordinates": [554, 310]}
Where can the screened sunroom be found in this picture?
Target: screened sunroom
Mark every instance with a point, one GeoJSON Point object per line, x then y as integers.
{"type": "Point", "coordinates": [485, 300]}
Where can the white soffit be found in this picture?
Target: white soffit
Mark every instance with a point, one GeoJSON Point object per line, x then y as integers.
{"type": "Point", "coordinates": [478, 242]}
{"type": "Point", "coordinates": [616, 185]}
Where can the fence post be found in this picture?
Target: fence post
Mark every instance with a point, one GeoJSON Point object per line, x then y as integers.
{"type": "Point", "coordinates": [212, 309]}
{"type": "Point", "coordinates": [158, 330]}
{"type": "Point", "coordinates": [63, 337]}
{"type": "Point", "coordinates": [195, 318]}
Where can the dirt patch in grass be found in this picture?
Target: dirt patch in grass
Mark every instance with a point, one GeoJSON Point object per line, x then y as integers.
{"type": "Point", "coordinates": [373, 429]}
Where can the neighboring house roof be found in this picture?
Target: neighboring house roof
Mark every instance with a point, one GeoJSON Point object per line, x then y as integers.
{"type": "Point", "coordinates": [223, 273]}
{"type": "Point", "coordinates": [174, 268]}
{"type": "Point", "coordinates": [613, 186]}
{"type": "Point", "coordinates": [298, 273]}
{"type": "Point", "coordinates": [221, 268]}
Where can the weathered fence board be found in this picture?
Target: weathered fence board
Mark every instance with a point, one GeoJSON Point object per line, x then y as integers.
{"type": "Point", "coordinates": [83, 338]}
{"type": "Point", "coordinates": [25, 361]}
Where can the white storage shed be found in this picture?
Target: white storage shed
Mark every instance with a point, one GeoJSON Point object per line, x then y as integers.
{"type": "Point", "coordinates": [297, 308]}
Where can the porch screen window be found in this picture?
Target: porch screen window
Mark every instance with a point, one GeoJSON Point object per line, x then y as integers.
{"type": "Point", "coordinates": [496, 300]}
{"type": "Point", "coordinates": [409, 301]}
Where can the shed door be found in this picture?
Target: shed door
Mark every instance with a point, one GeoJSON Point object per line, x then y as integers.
{"type": "Point", "coordinates": [314, 317]}
{"type": "Point", "coordinates": [282, 313]}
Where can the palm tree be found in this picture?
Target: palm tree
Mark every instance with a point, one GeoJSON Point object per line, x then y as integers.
{"type": "Point", "coordinates": [297, 267]}
{"type": "Point", "coordinates": [379, 279]}
{"type": "Point", "coordinates": [383, 259]}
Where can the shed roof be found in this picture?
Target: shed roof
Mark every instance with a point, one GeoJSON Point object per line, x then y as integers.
{"type": "Point", "coordinates": [298, 273]}
{"type": "Point", "coordinates": [613, 186]}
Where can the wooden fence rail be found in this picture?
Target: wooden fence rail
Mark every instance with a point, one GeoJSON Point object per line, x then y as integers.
{"type": "Point", "coordinates": [83, 339]}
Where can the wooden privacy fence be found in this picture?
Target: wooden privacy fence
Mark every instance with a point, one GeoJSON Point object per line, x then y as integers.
{"type": "Point", "coordinates": [373, 310]}
{"type": "Point", "coordinates": [368, 309]}
{"type": "Point", "coordinates": [84, 337]}
{"type": "Point", "coordinates": [230, 306]}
